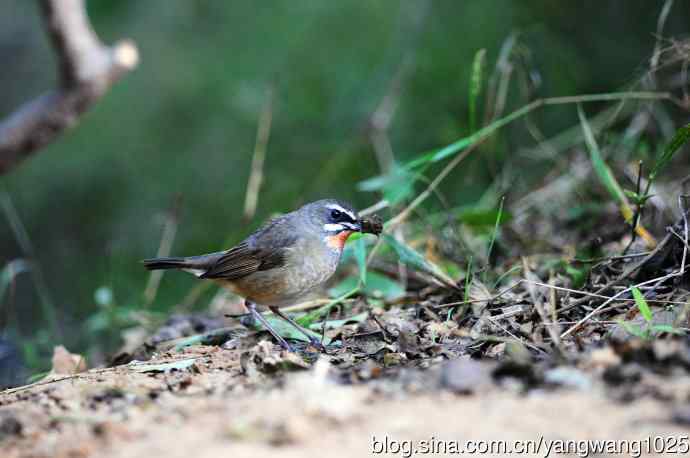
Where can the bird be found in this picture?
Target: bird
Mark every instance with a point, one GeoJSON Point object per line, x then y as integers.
{"type": "Point", "coordinates": [282, 261]}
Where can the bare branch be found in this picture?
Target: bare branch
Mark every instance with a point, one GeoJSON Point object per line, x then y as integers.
{"type": "Point", "coordinates": [87, 70]}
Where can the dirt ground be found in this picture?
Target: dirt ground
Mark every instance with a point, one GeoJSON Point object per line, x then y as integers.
{"type": "Point", "coordinates": [210, 401]}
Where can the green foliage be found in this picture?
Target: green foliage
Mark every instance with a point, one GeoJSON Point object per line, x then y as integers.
{"type": "Point", "coordinates": [333, 324]}
{"type": "Point", "coordinates": [494, 234]}
{"type": "Point", "coordinates": [410, 257]}
{"type": "Point", "coordinates": [602, 170]}
{"type": "Point", "coordinates": [9, 273]}
{"type": "Point", "coordinates": [378, 286]}
{"type": "Point", "coordinates": [650, 329]}
{"type": "Point", "coordinates": [91, 206]}
{"type": "Point", "coordinates": [288, 331]}
{"type": "Point", "coordinates": [679, 139]}
{"type": "Point", "coordinates": [361, 257]}
{"type": "Point", "coordinates": [396, 186]}
{"type": "Point", "coordinates": [642, 305]}
{"type": "Point", "coordinates": [476, 86]}
{"type": "Point", "coordinates": [477, 216]}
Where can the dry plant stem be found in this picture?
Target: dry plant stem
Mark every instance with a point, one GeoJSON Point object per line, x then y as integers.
{"type": "Point", "coordinates": [629, 271]}
{"type": "Point", "coordinates": [86, 374]}
{"type": "Point", "coordinates": [400, 217]}
{"type": "Point", "coordinates": [516, 338]}
{"type": "Point", "coordinates": [551, 329]}
{"type": "Point", "coordinates": [22, 236]}
{"type": "Point", "coordinates": [380, 205]}
{"type": "Point", "coordinates": [484, 133]}
{"type": "Point", "coordinates": [383, 115]}
{"type": "Point", "coordinates": [600, 296]}
{"type": "Point", "coordinates": [553, 287]}
{"type": "Point", "coordinates": [87, 70]}
{"type": "Point", "coordinates": [169, 232]}
{"type": "Point", "coordinates": [655, 281]}
{"type": "Point", "coordinates": [656, 55]}
{"type": "Point", "coordinates": [257, 171]}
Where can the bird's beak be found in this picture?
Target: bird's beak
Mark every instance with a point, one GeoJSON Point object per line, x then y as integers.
{"type": "Point", "coordinates": [372, 225]}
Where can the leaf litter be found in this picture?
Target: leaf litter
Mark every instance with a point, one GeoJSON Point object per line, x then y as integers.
{"type": "Point", "coordinates": [464, 322]}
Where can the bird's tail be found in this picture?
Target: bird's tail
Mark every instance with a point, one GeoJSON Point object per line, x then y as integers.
{"type": "Point", "coordinates": [166, 263]}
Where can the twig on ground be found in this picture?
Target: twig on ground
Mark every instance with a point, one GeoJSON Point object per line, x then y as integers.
{"type": "Point", "coordinates": [629, 271]}
{"type": "Point", "coordinates": [656, 281]}
{"type": "Point", "coordinates": [87, 70]}
{"type": "Point", "coordinates": [551, 329]}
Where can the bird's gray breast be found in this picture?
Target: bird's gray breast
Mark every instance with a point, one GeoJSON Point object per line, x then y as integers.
{"type": "Point", "coordinates": [308, 264]}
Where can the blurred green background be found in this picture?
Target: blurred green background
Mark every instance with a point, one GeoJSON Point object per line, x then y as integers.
{"type": "Point", "coordinates": [184, 122]}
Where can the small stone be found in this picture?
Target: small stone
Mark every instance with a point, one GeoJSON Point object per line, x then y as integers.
{"type": "Point", "coordinates": [465, 376]}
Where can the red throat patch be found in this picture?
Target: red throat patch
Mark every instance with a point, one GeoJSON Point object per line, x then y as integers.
{"type": "Point", "coordinates": [337, 242]}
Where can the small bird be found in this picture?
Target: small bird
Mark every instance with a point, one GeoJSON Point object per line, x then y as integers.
{"type": "Point", "coordinates": [282, 261]}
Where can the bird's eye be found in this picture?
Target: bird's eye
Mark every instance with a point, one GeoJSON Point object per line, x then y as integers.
{"type": "Point", "coordinates": [335, 214]}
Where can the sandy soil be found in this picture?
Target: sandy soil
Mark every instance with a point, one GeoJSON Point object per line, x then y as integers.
{"type": "Point", "coordinates": [217, 404]}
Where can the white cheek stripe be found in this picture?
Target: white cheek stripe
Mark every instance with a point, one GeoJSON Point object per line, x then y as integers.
{"type": "Point", "coordinates": [339, 208]}
{"type": "Point", "coordinates": [333, 227]}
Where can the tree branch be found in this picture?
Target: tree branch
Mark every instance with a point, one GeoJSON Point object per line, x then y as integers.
{"type": "Point", "coordinates": [87, 69]}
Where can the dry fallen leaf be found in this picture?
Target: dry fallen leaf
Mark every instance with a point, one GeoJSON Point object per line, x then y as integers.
{"type": "Point", "coordinates": [66, 363]}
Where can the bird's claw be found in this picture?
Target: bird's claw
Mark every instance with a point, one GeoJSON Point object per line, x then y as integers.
{"type": "Point", "coordinates": [316, 343]}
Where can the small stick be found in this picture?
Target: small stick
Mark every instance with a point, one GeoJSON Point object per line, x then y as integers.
{"type": "Point", "coordinates": [256, 175]}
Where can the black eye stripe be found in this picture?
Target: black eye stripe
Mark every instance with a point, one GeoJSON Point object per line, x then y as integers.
{"type": "Point", "coordinates": [341, 216]}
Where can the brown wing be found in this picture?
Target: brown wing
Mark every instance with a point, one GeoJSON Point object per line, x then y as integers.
{"type": "Point", "coordinates": [243, 260]}
{"type": "Point", "coordinates": [265, 249]}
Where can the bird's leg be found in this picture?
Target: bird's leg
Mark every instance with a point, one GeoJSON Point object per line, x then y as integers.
{"type": "Point", "coordinates": [312, 339]}
{"type": "Point", "coordinates": [252, 309]}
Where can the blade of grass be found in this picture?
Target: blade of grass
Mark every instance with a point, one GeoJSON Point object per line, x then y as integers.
{"type": "Point", "coordinates": [8, 274]}
{"type": "Point", "coordinates": [309, 318]}
{"type": "Point", "coordinates": [679, 139]}
{"type": "Point", "coordinates": [409, 256]}
{"type": "Point", "coordinates": [22, 236]}
{"type": "Point", "coordinates": [465, 293]}
{"type": "Point", "coordinates": [476, 86]}
{"type": "Point", "coordinates": [361, 257]}
{"type": "Point", "coordinates": [642, 304]}
{"type": "Point", "coordinates": [424, 159]}
{"type": "Point", "coordinates": [609, 181]}
{"type": "Point", "coordinates": [501, 122]}
{"type": "Point", "coordinates": [167, 239]}
{"type": "Point", "coordinates": [494, 234]}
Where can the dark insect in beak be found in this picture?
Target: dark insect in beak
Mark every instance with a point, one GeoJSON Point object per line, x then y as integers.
{"type": "Point", "coordinates": [371, 225]}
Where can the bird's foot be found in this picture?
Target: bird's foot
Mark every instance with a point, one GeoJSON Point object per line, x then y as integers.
{"type": "Point", "coordinates": [286, 346]}
{"type": "Point", "coordinates": [316, 343]}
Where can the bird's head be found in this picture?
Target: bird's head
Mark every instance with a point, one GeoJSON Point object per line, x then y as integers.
{"type": "Point", "coordinates": [334, 219]}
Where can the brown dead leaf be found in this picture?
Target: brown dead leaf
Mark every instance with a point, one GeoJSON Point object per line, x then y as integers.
{"type": "Point", "coordinates": [66, 363]}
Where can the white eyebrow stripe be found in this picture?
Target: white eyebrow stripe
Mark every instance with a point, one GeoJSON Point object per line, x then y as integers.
{"type": "Point", "coordinates": [339, 208]}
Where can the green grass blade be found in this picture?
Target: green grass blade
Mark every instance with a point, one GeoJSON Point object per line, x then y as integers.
{"type": "Point", "coordinates": [476, 86]}
{"type": "Point", "coordinates": [9, 272]}
{"type": "Point", "coordinates": [600, 168]}
{"type": "Point", "coordinates": [307, 319]}
{"type": "Point", "coordinates": [494, 234]}
{"type": "Point", "coordinates": [409, 256]}
{"type": "Point", "coordinates": [425, 159]}
{"type": "Point", "coordinates": [361, 257]}
{"type": "Point", "coordinates": [642, 304]}
{"type": "Point", "coordinates": [484, 132]}
{"type": "Point", "coordinates": [679, 139]}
